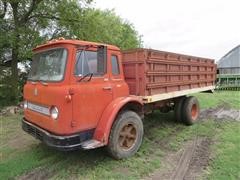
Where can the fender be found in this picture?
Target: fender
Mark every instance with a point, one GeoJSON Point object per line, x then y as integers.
{"type": "Point", "coordinates": [105, 123]}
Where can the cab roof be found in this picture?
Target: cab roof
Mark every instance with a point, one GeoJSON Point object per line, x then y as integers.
{"type": "Point", "coordinates": [74, 42]}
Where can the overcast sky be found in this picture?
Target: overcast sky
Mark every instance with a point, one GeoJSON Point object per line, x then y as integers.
{"type": "Point", "coordinates": [207, 28]}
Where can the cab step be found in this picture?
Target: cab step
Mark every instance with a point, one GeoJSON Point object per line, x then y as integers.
{"type": "Point", "coordinates": [91, 144]}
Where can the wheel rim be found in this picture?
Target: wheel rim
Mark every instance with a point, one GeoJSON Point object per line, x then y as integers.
{"type": "Point", "coordinates": [127, 136]}
{"type": "Point", "coordinates": [194, 112]}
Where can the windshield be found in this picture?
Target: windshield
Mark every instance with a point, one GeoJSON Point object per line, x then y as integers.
{"type": "Point", "coordinates": [48, 65]}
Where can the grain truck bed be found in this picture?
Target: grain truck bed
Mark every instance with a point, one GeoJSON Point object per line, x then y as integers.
{"type": "Point", "coordinates": [158, 75]}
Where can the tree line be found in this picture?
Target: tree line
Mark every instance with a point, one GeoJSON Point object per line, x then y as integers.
{"type": "Point", "coordinates": [24, 24]}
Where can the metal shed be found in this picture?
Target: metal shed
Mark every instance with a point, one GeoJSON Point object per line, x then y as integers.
{"type": "Point", "coordinates": [229, 70]}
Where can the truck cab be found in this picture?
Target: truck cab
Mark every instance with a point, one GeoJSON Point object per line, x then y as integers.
{"type": "Point", "coordinates": [70, 89]}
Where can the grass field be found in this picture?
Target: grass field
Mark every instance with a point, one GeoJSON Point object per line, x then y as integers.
{"type": "Point", "coordinates": [21, 156]}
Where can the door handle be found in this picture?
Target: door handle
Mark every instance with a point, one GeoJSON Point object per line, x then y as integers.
{"type": "Point", "coordinates": [107, 88]}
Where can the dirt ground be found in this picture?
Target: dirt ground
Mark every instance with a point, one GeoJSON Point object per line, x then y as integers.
{"type": "Point", "coordinates": [222, 112]}
{"type": "Point", "coordinates": [36, 174]}
{"type": "Point", "coordinates": [187, 163]}
{"type": "Point", "coordinates": [192, 159]}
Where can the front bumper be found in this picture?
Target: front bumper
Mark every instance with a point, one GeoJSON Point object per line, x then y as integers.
{"type": "Point", "coordinates": [64, 143]}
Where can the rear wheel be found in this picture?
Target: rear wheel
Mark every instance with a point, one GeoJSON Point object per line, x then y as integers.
{"type": "Point", "coordinates": [126, 135]}
{"type": "Point", "coordinates": [178, 109]}
{"type": "Point", "coordinates": [191, 110]}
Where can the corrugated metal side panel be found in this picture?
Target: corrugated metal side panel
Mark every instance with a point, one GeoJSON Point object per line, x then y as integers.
{"type": "Point", "coordinates": [134, 64]}
{"type": "Point", "coordinates": [150, 72]}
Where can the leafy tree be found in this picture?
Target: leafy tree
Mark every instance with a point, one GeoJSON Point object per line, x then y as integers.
{"type": "Point", "coordinates": [27, 23]}
{"type": "Point", "coordinates": [104, 26]}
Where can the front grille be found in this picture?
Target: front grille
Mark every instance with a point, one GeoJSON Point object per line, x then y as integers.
{"type": "Point", "coordinates": [60, 142]}
{"type": "Point", "coordinates": [33, 131]}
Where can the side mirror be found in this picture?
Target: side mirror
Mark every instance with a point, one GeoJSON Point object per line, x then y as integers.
{"type": "Point", "coordinates": [101, 59]}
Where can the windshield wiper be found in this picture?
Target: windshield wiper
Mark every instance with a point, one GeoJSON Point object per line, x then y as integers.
{"type": "Point", "coordinates": [88, 74]}
{"type": "Point", "coordinates": [43, 83]}
{"type": "Point", "coordinates": [36, 80]}
{"type": "Point", "coordinates": [32, 81]}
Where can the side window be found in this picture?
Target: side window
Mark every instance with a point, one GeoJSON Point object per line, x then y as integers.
{"type": "Point", "coordinates": [86, 62]}
{"type": "Point", "coordinates": [115, 65]}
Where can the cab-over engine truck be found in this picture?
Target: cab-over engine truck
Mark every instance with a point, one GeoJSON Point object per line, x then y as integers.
{"type": "Point", "coordinates": [85, 95]}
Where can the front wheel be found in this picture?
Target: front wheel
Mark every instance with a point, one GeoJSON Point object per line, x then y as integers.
{"type": "Point", "coordinates": [126, 135]}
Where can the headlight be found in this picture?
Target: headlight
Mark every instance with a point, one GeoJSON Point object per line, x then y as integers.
{"type": "Point", "coordinates": [25, 105]}
{"type": "Point", "coordinates": [54, 112]}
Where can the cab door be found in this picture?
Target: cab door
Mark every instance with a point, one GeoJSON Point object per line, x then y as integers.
{"type": "Point", "coordinates": [120, 88]}
{"type": "Point", "coordinates": [92, 93]}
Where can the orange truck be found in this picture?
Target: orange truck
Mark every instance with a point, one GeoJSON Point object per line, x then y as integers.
{"type": "Point", "coordinates": [85, 95]}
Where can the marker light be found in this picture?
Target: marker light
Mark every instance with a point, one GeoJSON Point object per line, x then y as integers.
{"type": "Point", "coordinates": [25, 105]}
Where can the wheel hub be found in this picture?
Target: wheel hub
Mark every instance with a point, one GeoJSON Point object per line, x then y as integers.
{"type": "Point", "coordinates": [127, 136]}
{"type": "Point", "coordinates": [194, 111]}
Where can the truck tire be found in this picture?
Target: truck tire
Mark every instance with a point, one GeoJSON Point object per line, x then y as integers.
{"type": "Point", "coordinates": [126, 135]}
{"type": "Point", "coordinates": [191, 110]}
{"type": "Point", "coordinates": [178, 109]}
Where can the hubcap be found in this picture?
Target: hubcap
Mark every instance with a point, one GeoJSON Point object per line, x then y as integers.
{"type": "Point", "coordinates": [194, 112]}
{"type": "Point", "coordinates": [127, 136]}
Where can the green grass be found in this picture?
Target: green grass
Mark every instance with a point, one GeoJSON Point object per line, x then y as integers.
{"type": "Point", "coordinates": [226, 163]}
{"type": "Point", "coordinates": [228, 98]}
{"type": "Point", "coordinates": [24, 161]}
{"type": "Point", "coordinates": [162, 134]}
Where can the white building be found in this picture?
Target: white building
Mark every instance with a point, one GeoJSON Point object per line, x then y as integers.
{"type": "Point", "coordinates": [230, 63]}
